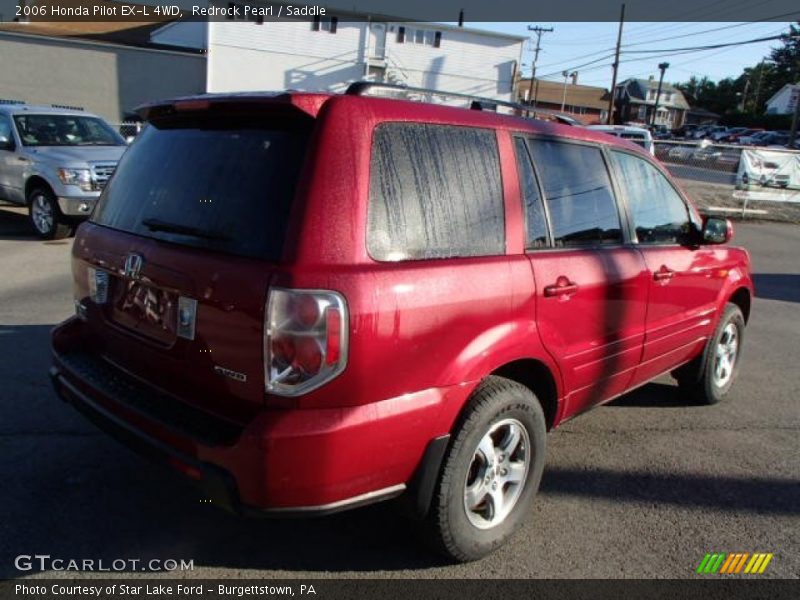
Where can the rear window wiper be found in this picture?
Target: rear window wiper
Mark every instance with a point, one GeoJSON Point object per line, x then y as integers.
{"type": "Point", "coordinates": [159, 225]}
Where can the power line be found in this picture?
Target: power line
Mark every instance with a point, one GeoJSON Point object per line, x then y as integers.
{"type": "Point", "coordinates": [708, 47]}
{"type": "Point", "coordinates": [629, 45]}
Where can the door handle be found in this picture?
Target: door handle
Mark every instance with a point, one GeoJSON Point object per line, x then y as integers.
{"type": "Point", "coordinates": [663, 274]}
{"type": "Point", "coordinates": [562, 287]}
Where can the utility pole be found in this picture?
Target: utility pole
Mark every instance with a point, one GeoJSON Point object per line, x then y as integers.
{"type": "Point", "coordinates": [538, 31]}
{"type": "Point", "coordinates": [795, 117]}
{"type": "Point", "coordinates": [611, 100]}
{"type": "Point", "coordinates": [744, 95]}
{"type": "Point", "coordinates": [758, 86]}
{"type": "Point", "coordinates": [663, 67]}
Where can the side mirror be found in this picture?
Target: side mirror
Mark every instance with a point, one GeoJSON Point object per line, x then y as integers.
{"type": "Point", "coordinates": [717, 230]}
{"type": "Point", "coordinates": [6, 143]}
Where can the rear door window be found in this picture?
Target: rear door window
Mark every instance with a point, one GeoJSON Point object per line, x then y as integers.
{"type": "Point", "coordinates": [435, 192]}
{"type": "Point", "coordinates": [577, 190]}
{"type": "Point", "coordinates": [225, 185]}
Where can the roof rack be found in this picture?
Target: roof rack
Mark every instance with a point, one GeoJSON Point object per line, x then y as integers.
{"type": "Point", "coordinates": [6, 101]}
{"type": "Point", "coordinates": [418, 94]}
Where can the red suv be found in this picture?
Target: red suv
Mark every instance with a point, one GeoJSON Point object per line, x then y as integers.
{"type": "Point", "coordinates": [310, 302]}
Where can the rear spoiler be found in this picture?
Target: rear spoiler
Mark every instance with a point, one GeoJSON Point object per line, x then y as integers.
{"type": "Point", "coordinates": [304, 103]}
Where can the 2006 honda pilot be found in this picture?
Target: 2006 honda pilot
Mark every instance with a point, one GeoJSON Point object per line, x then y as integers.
{"type": "Point", "coordinates": [309, 302]}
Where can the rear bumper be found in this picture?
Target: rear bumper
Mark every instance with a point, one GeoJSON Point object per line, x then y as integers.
{"type": "Point", "coordinates": [284, 462]}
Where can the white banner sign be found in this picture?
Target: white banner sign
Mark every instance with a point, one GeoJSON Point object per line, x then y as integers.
{"type": "Point", "coordinates": [769, 175]}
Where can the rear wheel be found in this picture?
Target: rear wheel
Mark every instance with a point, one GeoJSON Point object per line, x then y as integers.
{"type": "Point", "coordinates": [491, 471]}
{"type": "Point", "coordinates": [45, 216]}
{"type": "Point", "coordinates": [709, 378]}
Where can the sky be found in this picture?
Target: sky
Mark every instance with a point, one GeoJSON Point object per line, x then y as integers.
{"type": "Point", "coordinates": [572, 45]}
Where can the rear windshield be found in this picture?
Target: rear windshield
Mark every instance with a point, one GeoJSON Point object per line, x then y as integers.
{"type": "Point", "coordinates": [224, 186]}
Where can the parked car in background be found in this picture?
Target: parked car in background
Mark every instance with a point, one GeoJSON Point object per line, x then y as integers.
{"type": "Point", "coordinates": [762, 138]}
{"type": "Point", "coordinates": [735, 137]}
{"type": "Point", "coordinates": [722, 134]}
{"type": "Point", "coordinates": [661, 132]}
{"type": "Point", "coordinates": [55, 162]}
{"type": "Point", "coordinates": [709, 132]}
{"type": "Point", "coordinates": [638, 135]}
{"type": "Point", "coordinates": [684, 131]}
{"type": "Point", "coordinates": [723, 159]}
{"type": "Point", "coordinates": [259, 265]}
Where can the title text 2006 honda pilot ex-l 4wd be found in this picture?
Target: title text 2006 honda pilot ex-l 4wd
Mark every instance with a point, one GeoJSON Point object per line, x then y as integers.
{"type": "Point", "coordinates": [309, 302]}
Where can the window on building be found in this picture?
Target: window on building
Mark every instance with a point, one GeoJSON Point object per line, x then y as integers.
{"type": "Point", "coordinates": [329, 25]}
{"type": "Point", "coordinates": [421, 37]}
{"type": "Point", "coordinates": [659, 214]}
{"type": "Point", "coordinates": [435, 192]}
{"type": "Point", "coordinates": [577, 190]}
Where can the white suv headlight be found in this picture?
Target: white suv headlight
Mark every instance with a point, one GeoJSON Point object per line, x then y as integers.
{"type": "Point", "coordinates": [79, 177]}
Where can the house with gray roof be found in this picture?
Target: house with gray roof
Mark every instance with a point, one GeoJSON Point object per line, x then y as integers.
{"type": "Point", "coordinates": [635, 100]}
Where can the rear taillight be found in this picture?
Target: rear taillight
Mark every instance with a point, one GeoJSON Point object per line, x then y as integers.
{"type": "Point", "coordinates": [305, 340]}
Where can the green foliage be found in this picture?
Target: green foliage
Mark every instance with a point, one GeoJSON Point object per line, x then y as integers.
{"type": "Point", "coordinates": [735, 99]}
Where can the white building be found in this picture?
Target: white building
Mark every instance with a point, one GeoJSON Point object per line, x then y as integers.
{"type": "Point", "coordinates": [783, 102]}
{"type": "Point", "coordinates": [331, 52]}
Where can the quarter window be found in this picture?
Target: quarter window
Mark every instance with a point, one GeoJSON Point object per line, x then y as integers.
{"type": "Point", "coordinates": [578, 193]}
{"type": "Point", "coordinates": [535, 220]}
{"type": "Point", "coordinates": [435, 192]}
{"type": "Point", "coordinates": [659, 214]}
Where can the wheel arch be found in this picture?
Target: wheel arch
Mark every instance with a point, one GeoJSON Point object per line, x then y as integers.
{"type": "Point", "coordinates": [742, 298]}
{"type": "Point", "coordinates": [36, 181]}
{"type": "Point", "coordinates": [537, 377]}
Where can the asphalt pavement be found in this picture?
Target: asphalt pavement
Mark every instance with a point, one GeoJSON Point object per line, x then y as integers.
{"type": "Point", "coordinates": [643, 487]}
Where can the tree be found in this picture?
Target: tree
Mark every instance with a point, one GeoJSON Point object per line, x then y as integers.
{"type": "Point", "coordinates": [784, 62]}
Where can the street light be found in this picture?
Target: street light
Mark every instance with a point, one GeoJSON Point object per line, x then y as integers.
{"type": "Point", "coordinates": [566, 75]}
{"type": "Point", "coordinates": [663, 67]}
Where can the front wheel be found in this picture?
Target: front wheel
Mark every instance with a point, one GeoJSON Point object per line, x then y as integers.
{"type": "Point", "coordinates": [491, 471]}
{"type": "Point", "coordinates": [46, 217]}
{"type": "Point", "coordinates": [712, 377]}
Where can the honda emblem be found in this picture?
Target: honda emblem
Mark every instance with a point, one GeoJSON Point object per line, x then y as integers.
{"type": "Point", "coordinates": [133, 265]}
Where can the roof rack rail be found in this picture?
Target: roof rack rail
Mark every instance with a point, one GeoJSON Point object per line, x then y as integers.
{"type": "Point", "coordinates": [418, 94]}
{"type": "Point", "coordinates": [6, 101]}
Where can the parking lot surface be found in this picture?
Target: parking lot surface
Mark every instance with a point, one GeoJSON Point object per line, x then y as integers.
{"type": "Point", "coordinates": [643, 487]}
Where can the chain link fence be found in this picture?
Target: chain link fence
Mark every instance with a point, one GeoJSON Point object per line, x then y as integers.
{"type": "Point", "coordinates": [743, 181]}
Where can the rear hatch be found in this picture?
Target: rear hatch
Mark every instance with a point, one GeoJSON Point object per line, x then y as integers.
{"type": "Point", "coordinates": [183, 243]}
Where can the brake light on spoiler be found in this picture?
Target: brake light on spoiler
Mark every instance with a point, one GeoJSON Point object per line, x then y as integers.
{"type": "Point", "coordinates": [305, 340]}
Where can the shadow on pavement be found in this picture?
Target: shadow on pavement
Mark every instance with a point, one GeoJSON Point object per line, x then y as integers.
{"type": "Point", "coordinates": [761, 495]}
{"type": "Point", "coordinates": [654, 395]}
{"type": "Point", "coordinates": [14, 224]}
{"type": "Point", "coordinates": [778, 286]}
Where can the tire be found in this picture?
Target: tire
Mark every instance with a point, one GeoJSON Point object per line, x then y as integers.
{"type": "Point", "coordinates": [45, 216]}
{"type": "Point", "coordinates": [707, 379]}
{"type": "Point", "coordinates": [499, 411]}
